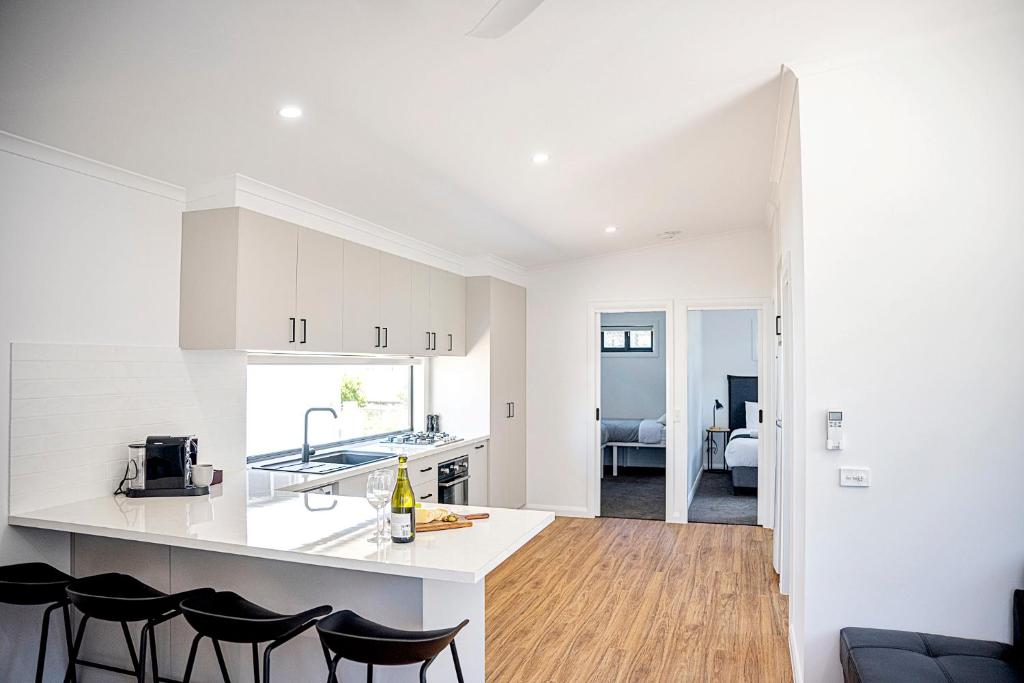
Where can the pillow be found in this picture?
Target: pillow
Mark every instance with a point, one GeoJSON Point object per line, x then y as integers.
{"type": "Point", "coordinates": [662, 418]}
{"type": "Point", "coordinates": [752, 409]}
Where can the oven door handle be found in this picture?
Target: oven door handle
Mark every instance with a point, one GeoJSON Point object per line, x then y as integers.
{"type": "Point", "coordinates": [454, 482]}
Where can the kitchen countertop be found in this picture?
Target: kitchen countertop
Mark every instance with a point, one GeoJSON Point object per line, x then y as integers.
{"type": "Point", "coordinates": [309, 528]}
{"type": "Point", "coordinates": [297, 481]}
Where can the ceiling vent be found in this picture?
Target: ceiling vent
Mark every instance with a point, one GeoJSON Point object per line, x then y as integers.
{"type": "Point", "coordinates": [669, 234]}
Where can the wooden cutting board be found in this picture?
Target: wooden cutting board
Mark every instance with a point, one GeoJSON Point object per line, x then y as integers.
{"type": "Point", "coordinates": [464, 521]}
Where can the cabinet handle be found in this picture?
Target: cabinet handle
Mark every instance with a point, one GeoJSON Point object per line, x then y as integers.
{"type": "Point", "coordinates": [508, 410]}
{"type": "Point", "coordinates": [433, 341]}
{"type": "Point", "coordinates": [478, 447]}
{"type": "Point", "coordinates": [429, 495]}
{"type": "Point", "coordinates": [292, 340]}
{"type": "Point", "coordinates": [385, 337]}
{"type": "Point", "coordinates": [377, 345]}
{"type": "Point", "coordinates": [303, 331]}
{"type": "Point", "coordinates": [426, 470]}
{"type": "Point", "coordinates": [450, 342]}
{"type": "Point", "coordinates": [428, 341]}
{"type": "Point", "coordinates": [513, 404]}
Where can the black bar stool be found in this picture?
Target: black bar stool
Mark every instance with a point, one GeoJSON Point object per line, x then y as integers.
{"type": "Point", "coordinates": [350, 636]}
{"type": "Point", "coordinates": [37, 583]}
{"type": "Point", "coordinates": [123, 598]}
{"type": "Point", "coordinates": [229, 617]}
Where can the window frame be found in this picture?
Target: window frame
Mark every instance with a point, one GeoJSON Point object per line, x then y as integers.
{"type": "Point", "coordinates": [372, 438]}
{"type": "Point", "coordinates": [628, 348]}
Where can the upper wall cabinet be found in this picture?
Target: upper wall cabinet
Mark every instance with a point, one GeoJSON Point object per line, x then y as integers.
{"type": "Point", "coordinates": [257, 283]}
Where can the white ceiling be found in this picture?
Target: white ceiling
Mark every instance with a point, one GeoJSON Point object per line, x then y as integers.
{"type": "Point", "coordinates": [658, 114]}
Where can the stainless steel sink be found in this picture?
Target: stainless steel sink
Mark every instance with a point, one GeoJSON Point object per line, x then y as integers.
{"type": "Point", "coordinates": [325, 463]}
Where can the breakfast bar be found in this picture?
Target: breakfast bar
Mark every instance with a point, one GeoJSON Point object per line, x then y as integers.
{"type": "Point", "coordinates": [290, 551]}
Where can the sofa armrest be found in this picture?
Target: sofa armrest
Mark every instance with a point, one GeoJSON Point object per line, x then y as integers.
{"type": "Point", "coordinates": [1018, 621]}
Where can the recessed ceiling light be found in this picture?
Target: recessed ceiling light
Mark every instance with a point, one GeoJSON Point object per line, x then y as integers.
{"type": "Point", "coordinates": [610, 228]}
{"type": "Point", "coordinates": [290, 112]}
{"type": "Point", "coordinates": [541, 158]}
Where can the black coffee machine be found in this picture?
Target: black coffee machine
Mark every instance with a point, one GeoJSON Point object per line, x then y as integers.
{"type": "Point", "coordinates": [163, 467]}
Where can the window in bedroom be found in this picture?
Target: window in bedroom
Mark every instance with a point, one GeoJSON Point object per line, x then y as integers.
{"type": "Point", "coordinates": [627, 339]}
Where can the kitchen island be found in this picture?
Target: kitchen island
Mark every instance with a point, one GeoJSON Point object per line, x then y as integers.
{"type": "Point", "coordinates": [290, 551]}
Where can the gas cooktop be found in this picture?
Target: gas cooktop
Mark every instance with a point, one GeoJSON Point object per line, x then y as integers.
{"type": "Point", "coordinates": [423, 438]}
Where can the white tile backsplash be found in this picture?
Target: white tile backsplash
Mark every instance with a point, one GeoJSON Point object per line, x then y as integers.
{"type": "Point", "coordinates": [75, 409]}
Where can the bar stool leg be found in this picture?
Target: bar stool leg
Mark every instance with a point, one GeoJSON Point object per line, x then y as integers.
{"type": "Point", "coordinates": [131, 645]}
{"type": "Point", "coordinates": [41, 662]}
{"type": "Point", "coordinates": [369, 673]}
{"type": "Point", "coordinates": [423, 670]}
{"type": "Point", "coordinates": [191, 658]}
{"type": "Point", "coordinates": [256, 663]}
{"type": "Point", "coordinates": [152, 653]}
{"type": "Point", "coordinates": [458, 665]}
{"type": "Point", "coordinates": [140, 671]}
{"type": "Point", "coordinates": [75, 649]}
{"type": "Point", "coordinates": [68, 637]}
{"type": "Point", "coordinates": [332, 669]}
{"type": "Point", "coordinates": [220, 660]}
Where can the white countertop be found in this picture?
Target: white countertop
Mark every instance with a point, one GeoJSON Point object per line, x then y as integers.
{"type": "Point", "coordinates": [297, 481]}
{"type": "Point", "coordinates": [307, 528]}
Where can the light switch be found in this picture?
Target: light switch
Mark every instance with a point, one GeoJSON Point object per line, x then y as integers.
{"type": "Point", "coordinates": [854, 476]}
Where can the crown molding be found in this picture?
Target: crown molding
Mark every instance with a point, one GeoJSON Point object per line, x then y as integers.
{"type": "Point", "coordinates": [69, 161]}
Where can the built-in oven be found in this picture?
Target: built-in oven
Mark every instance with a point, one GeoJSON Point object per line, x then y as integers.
{"type": "Point", "coordinates": [453, 481]}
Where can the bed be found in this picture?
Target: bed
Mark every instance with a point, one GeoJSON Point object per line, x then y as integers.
{"type": "Point", "coordinates": [741, 449]}
{"type": "Point", "coordinates": [632, 433]}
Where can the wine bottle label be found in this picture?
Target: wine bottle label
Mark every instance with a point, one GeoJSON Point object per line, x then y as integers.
{"type": "Point", "coordinates": [401, 525]}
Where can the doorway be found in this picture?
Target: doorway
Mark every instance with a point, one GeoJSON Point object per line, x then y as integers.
{"type": "Point", "coordinates": [631, 470]}
{"type": "Point", "coordinates": [725, 415]}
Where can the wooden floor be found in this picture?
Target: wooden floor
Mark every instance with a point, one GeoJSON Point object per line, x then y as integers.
{"type": "Point", "coordinates": [634, 600]}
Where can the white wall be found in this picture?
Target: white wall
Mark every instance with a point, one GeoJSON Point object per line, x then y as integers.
{"type": "Point", "coordinates": [87, 256]}
{"type": "Point", "coordinates": [731, 267]}
{"type": "Point", "coordinates": [633, 384]}
{"type": "Point", "coordinates": [913, 166]}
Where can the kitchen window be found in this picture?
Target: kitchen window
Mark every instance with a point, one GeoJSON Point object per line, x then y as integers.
{"type": "Point", "coordinates": [372, 399]}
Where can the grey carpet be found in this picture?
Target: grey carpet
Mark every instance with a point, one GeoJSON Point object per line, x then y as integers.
{"type": "Point", "coordinates": [637, 493]}
{"type": "Point", "coordinates": [714, 502]}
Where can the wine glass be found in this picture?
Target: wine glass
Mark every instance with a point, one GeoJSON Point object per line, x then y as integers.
{"type": "Point", "coordinates": [379, 487]}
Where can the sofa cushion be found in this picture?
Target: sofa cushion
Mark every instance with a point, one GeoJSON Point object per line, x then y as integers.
{"type": "Point", "coordinates": [870, 655]}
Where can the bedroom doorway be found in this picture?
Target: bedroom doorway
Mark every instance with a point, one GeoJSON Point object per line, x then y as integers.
{"type": "Point", "coordinates": [724, 414]}
{"type": "Point", "coordinates": [633, 409]}
{"type": "Point", "coordinates": [634, 470]}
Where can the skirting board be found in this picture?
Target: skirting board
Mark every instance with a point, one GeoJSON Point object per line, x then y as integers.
{"type": "Point", "coordinates": [693, 489]}
{"type": "Point", "coordinates": [794, 660]}
{"type": "Point", "coordinates": [561, 510]}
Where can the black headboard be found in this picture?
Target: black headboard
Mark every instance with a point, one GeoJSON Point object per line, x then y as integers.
{"type": "Point", "coordinates": [741, 390]}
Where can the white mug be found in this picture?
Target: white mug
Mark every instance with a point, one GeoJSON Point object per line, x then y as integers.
{"type": "Point", "coordinates": [202, 475]}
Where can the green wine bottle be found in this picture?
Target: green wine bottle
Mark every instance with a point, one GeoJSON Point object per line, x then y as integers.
{"type": "Point", "coordinates": [403, 506]}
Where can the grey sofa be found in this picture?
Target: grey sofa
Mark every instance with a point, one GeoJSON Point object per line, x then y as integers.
{"type": "Point", "coordinates": [871, 655]}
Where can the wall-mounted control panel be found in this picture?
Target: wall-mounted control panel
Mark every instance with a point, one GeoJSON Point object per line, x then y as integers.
{"type": "Point", "coordinates": [854, 476]}
{"type": "Point", "coordinates": [834, 431]}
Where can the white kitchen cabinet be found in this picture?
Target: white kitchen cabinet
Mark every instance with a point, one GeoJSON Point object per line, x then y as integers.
{"type": "Point", "coordinates": [478, 474]}
{"type": "Point", "coordinates": [353, 486]}
{"type": "Point", "coordinates": [419, 316]}
{"type": "Point", "coordinates": [250, 281]}
{"type": "Point", "coordinates": [319, 292]}
{"type": "Point", "coordinates": [361, 328]}
{"type": "Point", "coordinates": [395, 304]}
{"type": "Point", "coordinates": [447, 313]}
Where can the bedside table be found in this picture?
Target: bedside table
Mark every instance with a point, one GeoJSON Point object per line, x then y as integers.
{"type": "Point", "coordinates": [712, 446]}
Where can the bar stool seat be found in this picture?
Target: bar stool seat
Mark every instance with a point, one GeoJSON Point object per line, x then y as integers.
{"type": "Point", "coordinates": [227, 616]}
{"type": "Point", "coordinates": [37, 583]}
{"type": "Point", "coordinates": [350, 636]}
{"type": "Point", "coordinates": [123, 598]}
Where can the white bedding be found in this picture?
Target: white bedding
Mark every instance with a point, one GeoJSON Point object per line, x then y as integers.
{"type": "Point", "coordinates": [742, 452]}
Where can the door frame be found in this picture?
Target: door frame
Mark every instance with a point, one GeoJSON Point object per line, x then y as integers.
{"type": "Point", "coordinates": [765, 393]}
{"type": "Point", "coordinates": [596, 460]}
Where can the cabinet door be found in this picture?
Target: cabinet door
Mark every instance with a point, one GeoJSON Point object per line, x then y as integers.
{"type": "Point", "coordinates": [395, 303]}
{"type": "Point", "coordinates": [457, 319]}
{"type": "Point", "coordinates": [360, 326]}
{"type": "Point", "coordinates": [354, 486]}
{"type": "Point", "coordinates": [419, 319]}
{"type": "Point", "coordinates": [265, 295]}
{"type": "Point", "coordinates": [448, 312]}
{"type": "Point", "coordinates": [507, 458]}
{"type": "Point", "coordinates": [319, 291]}
{"type": "Point", "coordinates": [478, 474]}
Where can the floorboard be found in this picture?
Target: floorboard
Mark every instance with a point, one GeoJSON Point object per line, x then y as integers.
{"type": "Point", "coordinates": [635, 600]}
